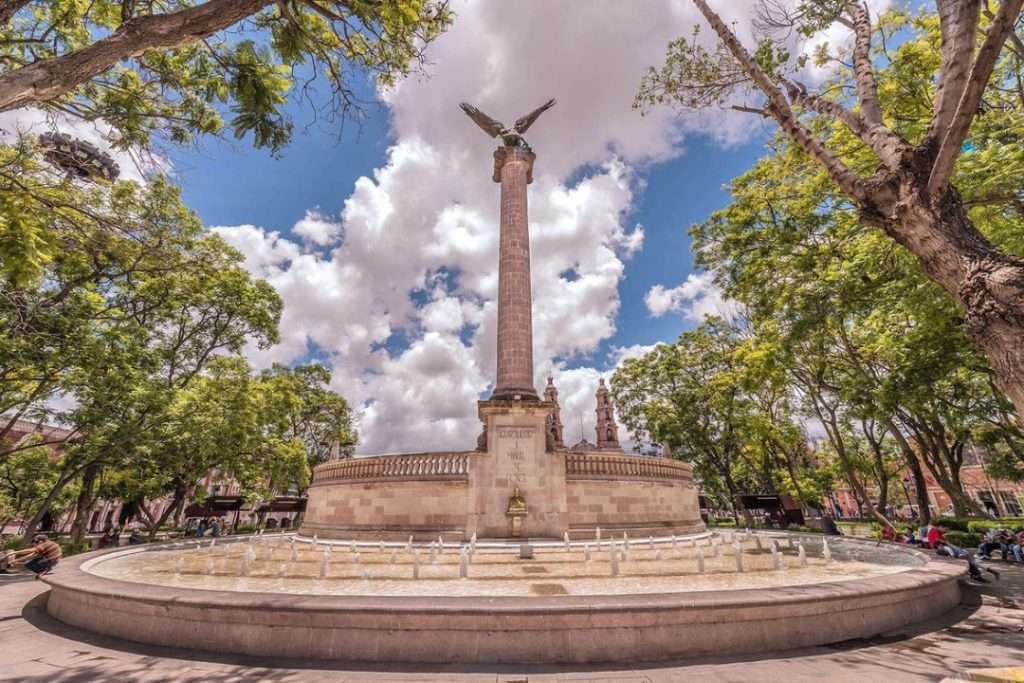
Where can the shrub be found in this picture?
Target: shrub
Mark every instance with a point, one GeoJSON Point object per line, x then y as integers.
{"type": "Point", "coordinates": [954, 523]}
{"type": "Point", "coordinates": [246, 529]}
{"type": "Point", "coordinates": [724, 521]}
{"type": "Point", "coordinates": [803, 529]}
{"type": "Point", "coordinates": [70, 548]}
{"type": "Point", "coordinates": [984, 525]}
{"type": "Point", "coordinates": [963, 539]}
{"type": "Point", "coordinates": [14, 543]}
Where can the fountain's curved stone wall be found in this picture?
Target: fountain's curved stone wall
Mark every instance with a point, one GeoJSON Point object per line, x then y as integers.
{"type": "Point", "coordinates": [579, 629]}
{"type": "Point", "coordinates": [458, 494]}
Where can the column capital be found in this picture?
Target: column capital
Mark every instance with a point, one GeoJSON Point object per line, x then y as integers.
{"type": "Point", "coordinates": [504, 154]}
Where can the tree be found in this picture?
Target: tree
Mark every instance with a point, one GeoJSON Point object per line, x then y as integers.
{"type": "Point", "coordinates": [126, 303]}
{"type": "Point", "coordinates": [898, 177]}
{"type": "Point", "coordinates": [25, 480]}
{"type": "Point", "coordinates": [690, 396]}
{"type": "Point", "coordinates": [171, 68]}
{"type": "Point", "coordinates": [321, 419]}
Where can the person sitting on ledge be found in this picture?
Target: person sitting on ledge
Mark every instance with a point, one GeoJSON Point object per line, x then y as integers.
{"type": "Point", "coordinates": [889, 534]}
{"type": "Point", "coordinates": [934, 536]}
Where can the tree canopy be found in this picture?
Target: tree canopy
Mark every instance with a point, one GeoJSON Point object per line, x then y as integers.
{"type": "Point", "coordinates": [895, 133]}
{"type": "Point", "coordinates": [176, 69]}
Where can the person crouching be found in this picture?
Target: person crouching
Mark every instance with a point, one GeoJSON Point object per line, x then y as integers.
{"type": "Point", "coordinates": [45, 556]}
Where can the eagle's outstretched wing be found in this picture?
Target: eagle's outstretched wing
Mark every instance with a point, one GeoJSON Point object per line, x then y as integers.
{"type": "Point", "coordinates": [489, 125]}
{"type": "Point", "coordinates": [525, 122]}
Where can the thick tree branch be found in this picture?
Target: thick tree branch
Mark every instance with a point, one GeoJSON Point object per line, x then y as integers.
{"type": "Point", "coordinates": [51, 78]}
{"type": "Point", "coordinates": [889, 147]}
{"type": "Point", "coordinates": [780, 110]}
{"type": "Point", "coordinates": [8, 8]}
{"type": "Point", "coordinates": [864, 72]}
{"type": "Point", "coordinates": [958, 22]}
{"type": "Point", "coordinates": [954, 137]}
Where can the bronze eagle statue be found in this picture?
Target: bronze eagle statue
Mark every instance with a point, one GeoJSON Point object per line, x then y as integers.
{"type": "Point", "coordinates": [510, 137]}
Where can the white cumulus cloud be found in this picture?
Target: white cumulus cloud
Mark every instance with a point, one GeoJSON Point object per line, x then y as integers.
{"type": "Point", "coordinates": [696, 298]}
{"type": "Point", "coordinates": [398, 294]}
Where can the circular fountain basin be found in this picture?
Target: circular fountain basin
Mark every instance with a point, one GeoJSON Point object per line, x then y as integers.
{"type": "Point", "coordinates": [377, 603]}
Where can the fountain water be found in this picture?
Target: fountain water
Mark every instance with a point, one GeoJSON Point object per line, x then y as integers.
{"type": "Point", "coordinates": [802, 554]}
{"type": "Point", "coordinates": [757, 543]}
{"type": "Point", "coordinates": [586, 552]}
{"type": "Point", "coordinates": [700, 561]}
{"type": "Point", "coordinates": [826, 552]}
{"type": "Point", "coordinates": [613, 558]}
{"type": "Point", "coordinates": [673, 541]}
{"type": "Point", "coordinates": [179, 564]}
{"type": "Point", "coordinates": [294, 553]}
{"type": "Point", "coordinates": [463, 563]}
{"type": "Point", "coordinates": [314, 542]}
{"type": "Point", "coordinates": [739, 557]}
{"type": "Point", "coordinates": [416, 564]}
{"type": "Point", "coordinates": [209, 567]}
{"type": "Point", "coordinates": [597, 535]}
{"type": "Point", "coordinates": [565, 539]}
{"type": "Point", "coordinates": [625, 540]}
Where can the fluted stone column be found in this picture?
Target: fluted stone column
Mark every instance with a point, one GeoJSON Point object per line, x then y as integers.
{"type": "Point", "coordinates": [513, 168]}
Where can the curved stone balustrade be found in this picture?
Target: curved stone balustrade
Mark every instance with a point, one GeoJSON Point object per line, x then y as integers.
{"type": "Point", "coordinates": [615, 466]}
{"type": "Point", "coordinates": [417, 465]}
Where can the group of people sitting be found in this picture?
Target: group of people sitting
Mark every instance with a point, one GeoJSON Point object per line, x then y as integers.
{"type": "Point", "coordinates": [39, 558]}
{"type": "Point", "coordinates": [1009, 544]}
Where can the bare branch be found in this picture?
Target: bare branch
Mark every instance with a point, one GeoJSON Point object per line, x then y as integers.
{"type": "Point", "coordinates": [780, 110]}
{"type": "Point", "coordinates": [51, 78]}
{"type": "Point", "coordinates": [864, 72]}
{"type": "Point", "coordinates": [889, 147]}
{"type": "Point", "coordinates": [958, 22]}
{"type": "Point", "coordinates": [954, 137]}
{"type": "Point", "coordinates": [751, 110]}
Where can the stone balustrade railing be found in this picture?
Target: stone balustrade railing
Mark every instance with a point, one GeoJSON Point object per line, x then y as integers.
{"type": "Point", "coordinates": [413, 466]}
{"type": "Point", "coordinates": [614, 466]}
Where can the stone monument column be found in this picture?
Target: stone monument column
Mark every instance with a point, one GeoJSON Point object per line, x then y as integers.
{"type": "Point", "coordinates": [513, 168]}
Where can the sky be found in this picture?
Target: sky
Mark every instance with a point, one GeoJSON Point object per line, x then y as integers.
{"type": "Point", "coordinates": [382, 239]}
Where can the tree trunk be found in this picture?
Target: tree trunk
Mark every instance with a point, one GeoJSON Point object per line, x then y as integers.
{"type": "Point", "coordinates": [44, 508]}
{"type": "Point", "coordinates": [914, 465]}
{"type": "Point", "coordinates": [176, 501]}
{"type": "Point", "coordinates": [987, 283]}
{"type": "Point", "coordinates": [883, 494]}
{"type": "Point", "coordinates": [83, 506]}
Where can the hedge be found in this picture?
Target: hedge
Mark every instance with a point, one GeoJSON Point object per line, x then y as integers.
{"type": "Point", "coordinates": [978, 525]}
{"type": "Point", "coordinates": [963, 539]}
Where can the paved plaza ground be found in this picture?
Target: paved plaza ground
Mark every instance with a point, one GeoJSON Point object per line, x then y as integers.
{"type": "Point", "coordinates": [985, 631]}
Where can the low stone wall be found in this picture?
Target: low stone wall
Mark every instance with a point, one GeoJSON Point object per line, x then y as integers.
{"type": "Point", "coordinates": [641, 495]}
{"type": "Point", "coordinates": [429, 494]}
{"type": "Point", "coordinates": [392, 497]}
{"type": "Point", "coordinates": [552, 630]}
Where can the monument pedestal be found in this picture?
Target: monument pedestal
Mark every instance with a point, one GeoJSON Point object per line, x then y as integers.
{"type": "Point", "coordinates": [517, 457]}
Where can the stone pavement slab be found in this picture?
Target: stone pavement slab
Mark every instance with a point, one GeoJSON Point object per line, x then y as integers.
{"type": "Point", "coordinates": [983, 632]}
